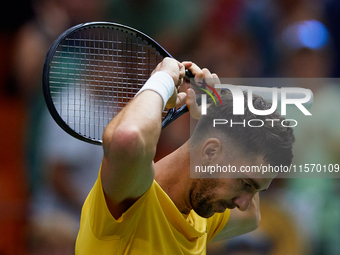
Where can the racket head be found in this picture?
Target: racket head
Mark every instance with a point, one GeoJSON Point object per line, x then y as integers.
{"type": "Point", "coordinates": [92, 71]}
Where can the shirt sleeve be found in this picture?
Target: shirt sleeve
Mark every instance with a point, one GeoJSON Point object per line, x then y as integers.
{"type": "Point", "coordinates": [97, 217]}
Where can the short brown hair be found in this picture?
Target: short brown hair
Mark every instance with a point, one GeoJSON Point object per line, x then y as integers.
{"type": "Point", "coordinates": [272, 139]}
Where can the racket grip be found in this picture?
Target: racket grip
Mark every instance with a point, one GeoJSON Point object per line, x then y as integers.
{"type": "Point", "coordinates": [174, 114]}
{"type": "Point", "coordinates": [188, 74]}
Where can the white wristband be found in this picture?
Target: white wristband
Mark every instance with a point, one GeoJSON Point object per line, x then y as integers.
{"type": "Point", "coordinates": [162, 83]}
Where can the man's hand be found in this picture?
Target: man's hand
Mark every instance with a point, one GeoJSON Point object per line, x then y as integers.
{"type": "Point", "coordinates": [174, 68]}
{"type": "Point", "coordinates": [201, 75]}
{"type": "Point", "coordinates": [177, 72]}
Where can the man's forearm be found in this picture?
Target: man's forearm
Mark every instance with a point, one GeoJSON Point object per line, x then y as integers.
{"type": "Point", "coordinates": [241, 222]}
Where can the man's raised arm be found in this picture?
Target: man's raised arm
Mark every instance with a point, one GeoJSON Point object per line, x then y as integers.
{"type": "Point", "coordinates": [130, 139]}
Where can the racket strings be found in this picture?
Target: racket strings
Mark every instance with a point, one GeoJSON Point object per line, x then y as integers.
{"type": "Point", "coordinates": [95, 73]}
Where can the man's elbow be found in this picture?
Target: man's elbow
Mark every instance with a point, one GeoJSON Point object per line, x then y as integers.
{"type": "Point", "coordinates": [254, 213]}
{"type": "Point", "coordinates": [255, 221]}
{"type": "Point", "coordinates": [251, 217]}
{"type": "Point", "coordinates": [122, 141]}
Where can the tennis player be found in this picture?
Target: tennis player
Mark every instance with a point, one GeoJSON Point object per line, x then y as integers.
{"type": "Point", "coordinates": [138, 207]}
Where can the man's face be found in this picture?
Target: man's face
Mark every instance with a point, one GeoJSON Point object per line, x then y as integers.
{"type": "Point", "coordinates": [214, 195]}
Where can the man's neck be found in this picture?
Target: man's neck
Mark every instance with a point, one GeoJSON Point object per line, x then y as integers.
{"type": "Point", "coordinates": [172, 173]}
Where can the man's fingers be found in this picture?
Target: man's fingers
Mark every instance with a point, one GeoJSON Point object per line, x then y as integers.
{"type": "Point", "coordinates": [181, 74]}
{"type": "Point", "coordinates": [194, 109]}
{"type": "Point", "coordinates": [195, 70]}
{"type": "Point", "coordinates": [187, 64]}
{"type": "Point", "coordinates": [216, 80]}
{"type": "Point", "coordinates": [181, 99]}
{"type": "Point", "coordinates": [208, 77]}
{"type": "Point", "coordinates": [174, 68]}
{"type": "Point", "coordinates": [181, 70]}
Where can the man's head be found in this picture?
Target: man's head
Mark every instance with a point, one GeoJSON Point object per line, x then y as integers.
{"type": "Point", "coordinates": [236, 145]}
{"type": "Point", "coordinates": [272, 140]}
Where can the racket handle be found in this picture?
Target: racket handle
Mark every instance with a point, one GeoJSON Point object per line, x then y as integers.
{"type": "Point", "coordinates": [174, 115]}
{"type": "Point", "coordinates": [188, 74]}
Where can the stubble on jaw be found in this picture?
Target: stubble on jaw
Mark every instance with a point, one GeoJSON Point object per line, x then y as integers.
{"type": "Point", "coordinates": [201, 196]}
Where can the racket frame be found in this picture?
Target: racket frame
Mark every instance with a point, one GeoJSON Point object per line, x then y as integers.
{"type": "Point", "coordinates": [172, 113]}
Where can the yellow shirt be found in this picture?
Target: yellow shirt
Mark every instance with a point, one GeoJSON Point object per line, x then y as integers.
{"type": "Point", "coordinates": [152, 225]}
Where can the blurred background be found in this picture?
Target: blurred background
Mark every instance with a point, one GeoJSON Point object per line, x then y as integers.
{"type": "Point", "coordinates": [45, 174]}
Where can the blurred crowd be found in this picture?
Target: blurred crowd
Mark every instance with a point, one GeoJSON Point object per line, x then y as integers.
{"type": "Point", "coordinates": [45, 174]}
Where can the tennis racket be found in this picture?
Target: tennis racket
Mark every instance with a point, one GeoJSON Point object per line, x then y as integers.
{"type": "Point", "coordinates": [93, 70]}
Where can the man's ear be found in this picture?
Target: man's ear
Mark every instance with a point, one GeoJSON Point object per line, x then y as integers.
{"type": "Point", "coordinates": [211, 148]}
